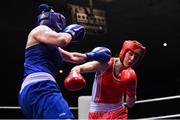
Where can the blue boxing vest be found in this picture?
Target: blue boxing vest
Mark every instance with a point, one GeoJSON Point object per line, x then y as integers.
{"type": "Point", "coordinates": [42, 58]}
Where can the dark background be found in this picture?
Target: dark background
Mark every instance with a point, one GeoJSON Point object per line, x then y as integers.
{"type": "Point", "coordinates": [152, 22]}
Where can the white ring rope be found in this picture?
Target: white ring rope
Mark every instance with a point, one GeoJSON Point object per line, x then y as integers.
{"type": "Point", "coordinates": [158, 99]}
{"type": "Point", "coordinates": [137, 102]}
{"type": "Point", "coordinates": [160, 117]}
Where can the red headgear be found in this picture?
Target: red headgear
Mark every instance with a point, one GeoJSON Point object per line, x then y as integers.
{"type": "Point", "coordinates": [132, 45]}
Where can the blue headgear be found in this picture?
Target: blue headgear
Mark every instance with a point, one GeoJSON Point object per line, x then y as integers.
{"type": "Point", "coordinates": [47, 16]}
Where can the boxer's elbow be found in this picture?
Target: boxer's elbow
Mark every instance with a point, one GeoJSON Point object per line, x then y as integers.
{"type": "Point", "coordinates": [64, 41]}
{"type": "Point", "coordinates": [130, 101]}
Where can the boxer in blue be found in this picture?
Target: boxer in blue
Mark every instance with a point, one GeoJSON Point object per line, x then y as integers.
{"type": "Point", "coordinates": [40, 96]}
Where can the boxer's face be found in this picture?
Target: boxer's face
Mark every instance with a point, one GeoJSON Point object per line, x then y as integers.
{"type": "Point", "coordinates": [130, 59]}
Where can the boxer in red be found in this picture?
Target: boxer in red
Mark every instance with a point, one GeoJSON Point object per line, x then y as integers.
{"type": "Point", "coordinates": [114, 84]}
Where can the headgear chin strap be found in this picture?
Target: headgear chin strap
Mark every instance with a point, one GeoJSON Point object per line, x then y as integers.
{"type": "Point", "coordinates": [47, 16]}
{"type": "Point", "coordinates": [133, 46]}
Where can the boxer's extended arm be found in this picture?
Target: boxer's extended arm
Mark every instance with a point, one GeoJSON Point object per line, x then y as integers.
{"type": "Point", "coordinates": [73, 57]}
{"type": "Point", "coordinates": [75, 81]}
{"type": "Point", "coordinates": [93, 66]}
{"type": "Point", "coordinates": [100, 54]}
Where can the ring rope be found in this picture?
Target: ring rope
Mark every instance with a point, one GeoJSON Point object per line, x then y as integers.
{"type": "Point", "coordinates": [158, 99]}
{"type": "Point", "coordinates": [137, 102]}
{"type": "Point", "coordinates": [160, 117]}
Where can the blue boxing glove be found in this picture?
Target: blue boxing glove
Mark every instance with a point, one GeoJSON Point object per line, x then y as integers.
{"type": "Point", "coordinates": [101, 54]}
{"type": "Point", "coordinates": [76, 31]}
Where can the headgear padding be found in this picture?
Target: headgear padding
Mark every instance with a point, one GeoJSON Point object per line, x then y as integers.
{"type": "Point", "coordinates": [133, 46]}
{"type": "Point", "coordinates": [47, 16]}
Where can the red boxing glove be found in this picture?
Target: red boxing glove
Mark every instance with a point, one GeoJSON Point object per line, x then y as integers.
{"type": "Point", "coordinates": [129, 77]}
{"type": "Point", "coordinates": [74, 81]}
